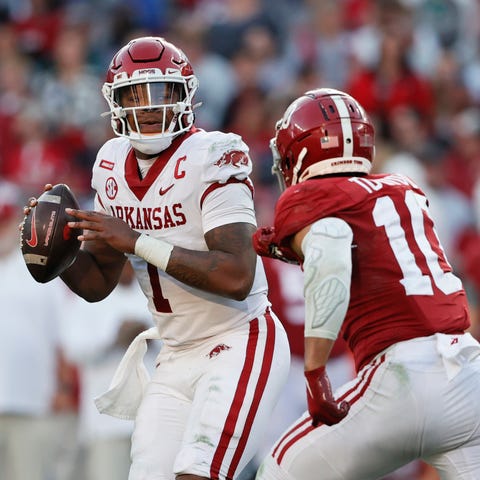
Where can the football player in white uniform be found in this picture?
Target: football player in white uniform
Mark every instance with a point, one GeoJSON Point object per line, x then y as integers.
{"type": "Point", "coordinates": [178, 202]}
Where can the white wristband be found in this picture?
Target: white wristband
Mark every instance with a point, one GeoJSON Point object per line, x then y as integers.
{"type": "Point", "coordinates": [153, 250]}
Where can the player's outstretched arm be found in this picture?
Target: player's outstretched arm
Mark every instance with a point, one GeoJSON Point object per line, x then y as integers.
{"type": "Point", "coordinates": [265, 244]}
{"type": "Point", "coordinates": [326, 248]}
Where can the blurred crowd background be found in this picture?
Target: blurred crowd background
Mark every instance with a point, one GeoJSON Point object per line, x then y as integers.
{"type": "Point", "coordinates": [413, 64]}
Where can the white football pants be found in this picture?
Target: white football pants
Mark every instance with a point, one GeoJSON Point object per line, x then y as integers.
{"type": "Point", "coordinates": [206, 408]}
{"type": "Point", "coordinates": [418, 399]}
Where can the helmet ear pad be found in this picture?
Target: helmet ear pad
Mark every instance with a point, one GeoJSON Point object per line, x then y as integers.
{"type": "Point", "coordinates": [324, 131]}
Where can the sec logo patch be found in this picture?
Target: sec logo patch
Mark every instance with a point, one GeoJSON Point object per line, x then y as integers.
{"type": "Point", "coordinates": [111, 188]}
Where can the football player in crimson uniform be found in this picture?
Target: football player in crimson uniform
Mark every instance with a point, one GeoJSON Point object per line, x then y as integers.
{"type": "Point", "coordinates": [375, 273]}
{"type": "Point", "coordinates": [178, 202]}
{"type": "Point", "coordinates": [285, 282]}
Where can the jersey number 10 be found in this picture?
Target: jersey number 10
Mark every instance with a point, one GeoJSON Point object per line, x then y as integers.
{"type": "Point", "coordinates": [415, 283]}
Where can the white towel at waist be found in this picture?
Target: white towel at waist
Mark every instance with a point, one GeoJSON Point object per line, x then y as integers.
{"type": "Point", "coordinates": [129, 381]}
{"type": "Point", "coordinates": [456, 350]}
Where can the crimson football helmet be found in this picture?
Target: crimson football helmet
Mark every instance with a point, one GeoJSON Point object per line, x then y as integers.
{"type": "Point", "coordinates": [149, 88]}
{"type": "Point", "coordinates": [322, 132]}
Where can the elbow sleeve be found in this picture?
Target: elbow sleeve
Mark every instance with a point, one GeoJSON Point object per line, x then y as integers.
{"type": "Point", "coordinates": [328, 268]}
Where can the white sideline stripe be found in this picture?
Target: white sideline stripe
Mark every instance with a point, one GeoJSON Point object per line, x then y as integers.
{"type": "Point", "coordinates": [51, 198]}
{"type": "Point", "coordinates": [35, 259]}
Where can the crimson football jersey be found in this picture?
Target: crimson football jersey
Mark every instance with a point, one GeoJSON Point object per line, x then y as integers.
{"type": "Point", "coordinates": [402, 284]}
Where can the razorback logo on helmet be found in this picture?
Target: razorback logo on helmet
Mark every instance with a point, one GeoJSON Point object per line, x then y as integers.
{"type": "Point", "coordinates": [234, 157]}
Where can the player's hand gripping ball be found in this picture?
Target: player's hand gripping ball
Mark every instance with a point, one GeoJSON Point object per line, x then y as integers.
{"type": "Point", "coordinates": [49, 246]}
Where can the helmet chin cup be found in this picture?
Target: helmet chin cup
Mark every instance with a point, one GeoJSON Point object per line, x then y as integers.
{"type": "Point", "coordinates": [151, 146]}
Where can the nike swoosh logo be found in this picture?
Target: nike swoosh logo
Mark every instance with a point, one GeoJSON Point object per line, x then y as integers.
{"type": "Point", "coordinates": [32, 242]}
{"type": "Point", "coordinates": [163, 191]}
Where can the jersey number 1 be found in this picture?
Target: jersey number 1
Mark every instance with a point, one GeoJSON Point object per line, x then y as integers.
{"type": "Point", "coordinates": [414, 282]}
{"type": "Point", "coordinates": [162, 305]}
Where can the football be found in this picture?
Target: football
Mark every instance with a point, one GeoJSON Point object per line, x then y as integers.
{"type": "Point", "coordinates": [48, 244]}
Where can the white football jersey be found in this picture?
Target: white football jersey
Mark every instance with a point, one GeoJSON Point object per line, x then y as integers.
{"type": "Point", "coordinates": [204, 184]}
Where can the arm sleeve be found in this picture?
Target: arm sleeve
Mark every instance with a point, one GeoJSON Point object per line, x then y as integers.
{"type": "Point", "coordinates": [328, 268]}
{"type": "Point", "coordinates": [230, 203]}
